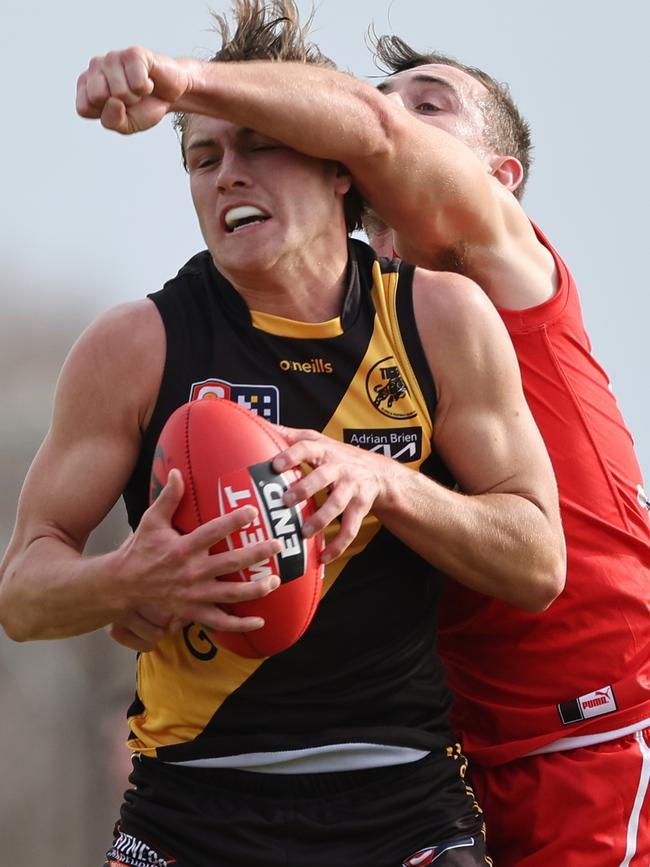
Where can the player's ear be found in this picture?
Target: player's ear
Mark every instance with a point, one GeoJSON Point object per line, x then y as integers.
{"type": "Point", "coordinates": [343, 179]}
{"type": "Point", "coordinates": [508, 171]}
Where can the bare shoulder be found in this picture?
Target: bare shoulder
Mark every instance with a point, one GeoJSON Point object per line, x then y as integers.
{"type": "Point", "coordinates": [108, 385]}
{"type": "Point", "coordinates": [131, 327]}
{"type": "Point", "coordinates": [461, 331]}
{"type": "Point", "coordinates": [118, 359]}
{"type": "Point", "coordinates": [449, 303]}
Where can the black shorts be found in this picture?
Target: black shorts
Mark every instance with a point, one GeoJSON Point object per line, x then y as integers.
{"type": "Point", "coordinates": [401, 816]}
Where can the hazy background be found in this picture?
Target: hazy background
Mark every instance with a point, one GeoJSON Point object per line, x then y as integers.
{"type": "Point", "coordinates": [89, 219]}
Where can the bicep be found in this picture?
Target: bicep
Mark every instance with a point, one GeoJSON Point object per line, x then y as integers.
{"type": "Point", "coordinates": [492, 445]}
{"type": "Point", "coordinates": [94, 439]}
{"type": "Point", "coordinates": [72, 486]}
{"type": "Point", "coordinates": [483, 428]}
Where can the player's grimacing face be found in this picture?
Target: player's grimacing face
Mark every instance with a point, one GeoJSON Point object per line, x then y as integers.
{"type": "Point", "coordinates": [256, 199]}
{"type": "Point", "coordinates": [445, 97]}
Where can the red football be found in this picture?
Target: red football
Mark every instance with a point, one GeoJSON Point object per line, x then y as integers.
{"type": "Point", "coordinates": [224, 453]}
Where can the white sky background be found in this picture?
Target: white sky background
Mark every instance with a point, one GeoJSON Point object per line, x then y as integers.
{"type": "Point", "coordinates": [88, 219]}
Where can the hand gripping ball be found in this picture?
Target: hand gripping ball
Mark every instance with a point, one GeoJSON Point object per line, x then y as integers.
{"type": "Point", "coordinates": [224, 453]}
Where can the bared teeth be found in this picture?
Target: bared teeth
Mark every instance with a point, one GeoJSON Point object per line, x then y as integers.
{"type": "Point", "coordinates": [244, 215]}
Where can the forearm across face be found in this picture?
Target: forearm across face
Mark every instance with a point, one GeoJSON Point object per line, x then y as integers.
{"type": "Point", "coordinates": [319, 111]}
{"type": "Point", "coordinates": [423, 182]}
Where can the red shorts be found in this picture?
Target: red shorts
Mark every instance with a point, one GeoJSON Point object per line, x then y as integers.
{"type": "Point", "coordinates": [586, 806]}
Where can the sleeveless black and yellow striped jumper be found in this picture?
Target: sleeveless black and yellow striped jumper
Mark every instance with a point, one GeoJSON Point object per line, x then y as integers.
{"type": "Point", "coordinates": [364, 684]}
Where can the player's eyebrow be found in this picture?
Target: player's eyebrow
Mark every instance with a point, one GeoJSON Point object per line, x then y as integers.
{"type": "Point", "coordinates": [201, 143]}
{"type": "Point", "coordinates": [420, 77]}
{"type": "Point", "coordinates": [244, 132]}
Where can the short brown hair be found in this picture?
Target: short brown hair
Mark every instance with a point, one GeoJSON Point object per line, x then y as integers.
{"type": "Point", "coordinates": [507, 133]}
{"type": "Point", "coordinates": [271, 30]}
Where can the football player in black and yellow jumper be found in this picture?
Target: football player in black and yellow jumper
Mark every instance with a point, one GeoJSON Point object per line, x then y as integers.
{"type": "Point", "coordinates": [406, 402]}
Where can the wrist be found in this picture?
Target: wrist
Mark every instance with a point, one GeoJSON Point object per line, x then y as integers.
{"type": "Point", "coordinates": [118, 586]}
{"type": "Point", "coordinates": [197, 85]}
{"type": "Point", "coordinates": [392, 480]}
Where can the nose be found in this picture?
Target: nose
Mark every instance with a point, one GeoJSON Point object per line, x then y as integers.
{"type": "Point", "coordinates": [233, 171]}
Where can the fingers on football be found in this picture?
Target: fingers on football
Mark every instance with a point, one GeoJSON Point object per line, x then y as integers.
{"type": "Point", "coordinates": [309, 485]}
{"type": "Point", "coordinates": [237, 559]}
{"type": "Point", "coordinates": [306, 447]}
{"type": "Point", "coordinates": [341, 500]}
{"type": "Point", "coordinates": [221, 621]}
{"type": "Point", "coordinates": [165, 505]}
{"type": "Point", "coordinates": [206, 536]}
{"type": "Point", "coordinates": [216, 591]}
{"type": "Point", "coordinates": [293, 434]}
{"type": "Point", "coordinates": [213, 531]}
{"type": "Point", "coordinates": [350, 526]}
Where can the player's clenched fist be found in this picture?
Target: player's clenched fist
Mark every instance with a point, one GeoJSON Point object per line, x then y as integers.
{"type": "Point", "coordinates": [131, 90]}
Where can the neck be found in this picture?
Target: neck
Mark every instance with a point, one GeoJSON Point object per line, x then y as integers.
{"type": "Point", "coordinates": [305, 288]}
{"type": "Point", "coordinates": [381, 237]}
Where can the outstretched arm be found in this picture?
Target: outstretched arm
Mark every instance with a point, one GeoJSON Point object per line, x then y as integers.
{"type": "Point", "coordinates": [48, 588]}
{"type": "Point", "coordinates": [319, 111]}
{"type": "Point", "coordinates": [449, 209]}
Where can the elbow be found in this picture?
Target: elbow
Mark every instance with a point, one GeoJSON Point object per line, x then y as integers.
{"type": "Point", "coordinates": [548, 584]}
{"type": "Point", "coordinates": [21, 629]}
{"type": "Point", "coordinates": [546, 594]}
{"type": "Point", "coordinates": [14, 627]}
{"type": "Point", "coordinates": [14, 633]}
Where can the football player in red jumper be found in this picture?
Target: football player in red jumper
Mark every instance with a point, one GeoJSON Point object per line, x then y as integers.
{"type": "Point", "coordinates": [550, 705]}
{"type": "Point", "coordinates": [400, 387]}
